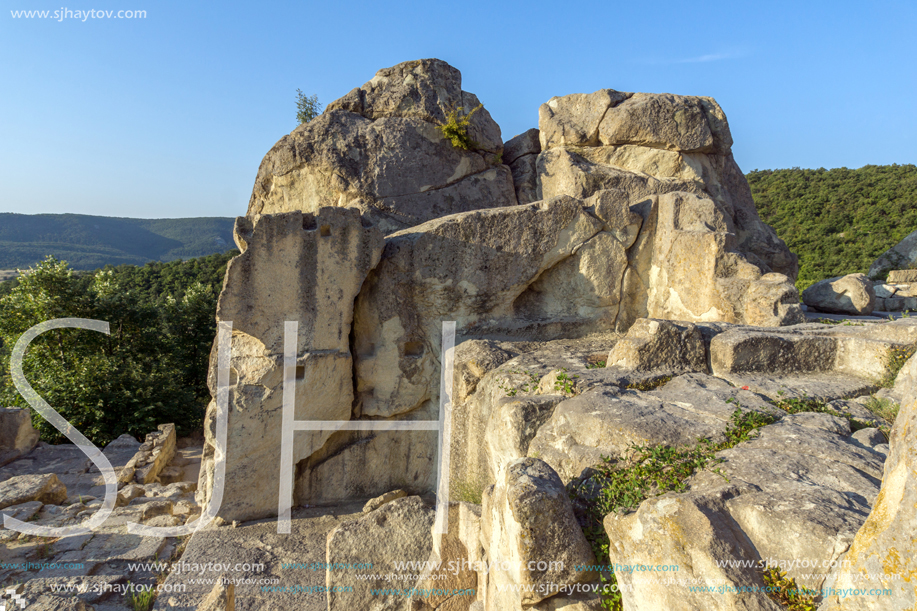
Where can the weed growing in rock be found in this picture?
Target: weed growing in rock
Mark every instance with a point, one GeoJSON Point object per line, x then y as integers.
{"type": "Point", "coordinates": [802, 404]}
{"type": "Point", "coordinates": [565, 383]}
{"type": "Point", "coordinates": [142, 599]}
{"type": "Point", "coordinates": [895, 358]}
{"type": "Point", "coordinates": [469, 491]}
{"type": "Point", "coordinates": [455, 129]}
{"type": "Point", "coordinates": [651, 384]}
{"type": "Point", "coordinates": [646, 471]}
{"type": "Point", "coordinates": [785, 592]}
{"type": "Point", "coordinates": [43, 551]}
{"type": "Point", "coordinates": [596, 365]}
{"type": "Point", "coordinates": [529, 385]}
{"type": "Point", "coordinates": [883, 408]}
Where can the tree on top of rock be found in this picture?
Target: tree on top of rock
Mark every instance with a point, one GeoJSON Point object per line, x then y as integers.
{"type": "Point", "coordinates": [307, 107]}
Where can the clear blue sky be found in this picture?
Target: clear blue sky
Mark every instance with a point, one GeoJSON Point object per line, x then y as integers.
{"type": "Point", "coordinates": [169, 116]}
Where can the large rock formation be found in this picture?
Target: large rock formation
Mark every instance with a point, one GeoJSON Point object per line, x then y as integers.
{"type": "Point", "coordinates": [294, 267]}
{"type": "Point", "coordinates": [882, 554]}
{"type": "Point", "coordinates": [707, 257]}
{"type": "Point", "coordinates": [793, 497]}
{"type": "Point", "coordinates": [378, 149]}
{"type": "Point", "coordinates": [640, 211]}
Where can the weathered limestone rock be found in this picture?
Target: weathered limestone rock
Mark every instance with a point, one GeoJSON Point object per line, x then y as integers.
{"type": "Point", "coordinates": [521, 154]}
{"type": "Point", "coordinates": [605, 421]}
{"type": "Point", "coordinates": [860, 352]}
{"type": "Point", "coordinates": [294, 267]}
{"type": "Point", "coordinates": [570, 602]}
{"type": "Point", "coordinates": [651, 144]}
{"type": "Point", "coordinates": [697, 273]}
{"type": "Point", "coordinates": [799, 491]}
{"type": "Point", "coordinates": [513, 425]}
{"type": "Point", "coordinates": [462, 564]}
{"type": "Point", "coordinates": [473, 359]}
{"type": "Point", "coordinates": [850, 294]}
{"type": "Point", "coordinates": [900, 256]}
{"type": "Point", "coordinates": [221, 598]}
{"type": "Point", "coordinates": [661, 345]}
{"type": "Point", "coordinates": [469, 268]}
{"type": "Point", "coordinates": [903, 275]}
{"type": "Point", "coordinates": [379, 501]}
{"type": "Point", "coordinates": [528, 523]}
{"type": "Point", "coordinates": [152, 457]}
{"type": "Point", "coordinates": [17, 435]}
{"type": "Point", "coordinates": [46, 488]}
{"type": "Point", "coordinates": [378, 149]}
{"type": "Point", "coordinates": [399, 531]}
{"type": "Point", "coordinates": [884, 550]}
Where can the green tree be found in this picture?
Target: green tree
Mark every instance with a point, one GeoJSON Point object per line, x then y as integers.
{"type": "Point", "coordinates": [307, 107]}
{"type": "Point", "coordinates": [151, 369]}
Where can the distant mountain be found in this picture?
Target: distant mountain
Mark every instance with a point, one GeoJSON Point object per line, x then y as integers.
{"type": "Point", "coordinates": [91, 242]}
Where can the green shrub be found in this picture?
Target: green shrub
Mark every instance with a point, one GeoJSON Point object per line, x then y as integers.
{"type": "Point", "coordinates": [151, 368]}
{"type": "Point", "coordinates": [455, 129]}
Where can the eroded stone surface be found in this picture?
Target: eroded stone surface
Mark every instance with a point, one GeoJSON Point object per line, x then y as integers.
{"type": "Point", "coordinates": [378, 150]}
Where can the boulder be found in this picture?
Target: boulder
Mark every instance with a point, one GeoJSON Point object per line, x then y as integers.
{"type": "Point", "coordinates": [855, 351]}
{"type": "Point", "coordinates": [528, 524]}
{"type": "Point", "coordinates": [652, 144]}
{"type": "Point", "coordinates": [900, 256]}
{"type": "Point", "coordinates": [378, 149]}
{"type": "Point", "coordinates": [850, 294]}
{"type": "Point", "coordinates": [697, 273]}
{"type": "Point", "coordinates": [46, 488]}
{"type": "Point", "coordinates": [293, 267]}
{"type": "Point", "coordinates": [793, 498]}
{"type": "Point", "coordinates": [884, 550]}
{"type": "Point", "coordinates": [17, 435]}
{"type": "Point", "coordinates": [400, 531]}
{"type": "Point", "coordinates": [661, 345]}
{"type": "Point", "coordinates": [521, 153]}
{"type": "Point", "coordinates": [903, 275]}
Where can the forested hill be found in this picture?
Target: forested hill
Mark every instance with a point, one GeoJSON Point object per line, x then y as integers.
{"type": "Point", "coordinates": [838, 221]}
{"type": "Point", "coordinates": [91, 242]}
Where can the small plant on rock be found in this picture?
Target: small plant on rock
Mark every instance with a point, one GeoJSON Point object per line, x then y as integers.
{"type": "Point", "coordinates": [895, 358]}
{"type": "Point", "coordinates": [785, 592]}
{"type": "Point", "coordinates": [596, 365]}
{"type": "Point", "coordinates": [469, 491]}
{"type": "Point", "coordinates": [141, 598]}
{"type": "Point", "coordinates": [530, 385]}
{"type": "Point", "coordinates": [455, 129]}
{"type": "Point", "coordinates": [565, 383]}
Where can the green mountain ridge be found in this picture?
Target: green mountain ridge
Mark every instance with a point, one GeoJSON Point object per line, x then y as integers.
{"type": "Point", "coordinates": [90, 242]}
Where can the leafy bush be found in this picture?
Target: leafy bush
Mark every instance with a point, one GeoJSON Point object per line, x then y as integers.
{"type": "Point", "coordinates": [455, 129]}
